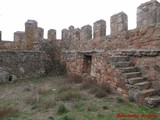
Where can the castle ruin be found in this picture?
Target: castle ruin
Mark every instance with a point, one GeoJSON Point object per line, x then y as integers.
{"type": "Point", "coordinates": [127, 60]}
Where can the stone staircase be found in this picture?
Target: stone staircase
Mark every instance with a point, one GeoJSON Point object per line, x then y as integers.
{"type": "Point", "coordinates": [139, 88]}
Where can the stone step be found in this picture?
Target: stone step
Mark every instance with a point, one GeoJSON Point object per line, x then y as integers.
{"type": "Point", "coordinates": [123, 64]}
{"type": "Point", "coordinates": [118, 58]}
{"type": "Point", "coordinates": [153, 101]}
{"type": "Point", "coordinates": [148, 92]}
{"type": "Point", "coordinates": [129, 69]}
{"type": "Point", "coordinates": [132, 75]}
{"type": "Point", "coordinates": [135, 80]}
{"type": "Point", "coordinates": [142, 85]}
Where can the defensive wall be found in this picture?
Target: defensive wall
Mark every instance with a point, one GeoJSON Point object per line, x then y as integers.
{"type": "Point", "coordinates": [127, 60]}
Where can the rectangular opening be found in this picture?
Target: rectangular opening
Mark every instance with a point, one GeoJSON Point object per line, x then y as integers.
{"type": "Point", "coordinates": [87, 64]}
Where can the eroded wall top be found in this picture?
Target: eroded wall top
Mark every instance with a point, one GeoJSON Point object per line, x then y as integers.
{"type": "Point", "coordinates": [148, 14]}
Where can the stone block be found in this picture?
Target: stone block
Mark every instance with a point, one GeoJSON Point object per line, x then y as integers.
{"type": "Point", "coordinates": [156, 86]}
{"type": "Point", "coordinates": [99, 28]}
{"type": "Point", "coordinates": [19, 39]}
{"type": "Point", "coordinates": [75, 41]}
{"type": "Point", "coordinates": [71, 28]}
{"type": "Point", "coordinates": [148, 14]}
{"type": "Point", "coordinates": [119, 23]}
{"type": "Point", "coordinates": [40, 34]}
{"type": "Point", "coordinates": [4, 76]}
{"type": "Point", "coordinates": [52, 36]}
{"type": "Point", "coordinates": [86, 33]}
{"type": "Point", "coordinates": [31, 33]}
{"type": "Point", "coordinates": [134, 94]}
{"type": "Point", "coordinates": [65, 38]}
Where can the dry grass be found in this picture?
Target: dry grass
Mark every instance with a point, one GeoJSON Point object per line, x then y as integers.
{"type": "Point", "coordinates": [65, 88]}
{"type": "Point", "coordinates": [47, 104]}
{"type": "Point", "coordinates": [40, 99]}
{"type": "Point", "coordinates": [98, 90]}
{"type": "Point", "coordinates": [68, 93]}
{"type": "Point", "coordinates": [8, 111]}
{"type": "Point", "coordinates": [33, 99]}
{"type": "Point", "coordinates": [74, 78]}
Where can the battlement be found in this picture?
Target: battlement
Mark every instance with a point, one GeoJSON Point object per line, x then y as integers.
{"type": "Point", "coordinates": [87, 51]}
{"type": "Point", "coordinates": [119, 23]}
{"type": "Point", "coordinates": [148, 14]}
{"type": "Point", "coordinates": [73, 38]}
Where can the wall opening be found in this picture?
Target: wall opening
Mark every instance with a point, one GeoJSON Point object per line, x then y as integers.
{"type": "Point", "coordinates": [10, 78]}
{"type": "Point", "coordinates": [87, 64]}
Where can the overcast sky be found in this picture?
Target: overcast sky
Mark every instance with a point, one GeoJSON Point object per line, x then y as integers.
{"type": "Point", "coordinates": [60, 14]}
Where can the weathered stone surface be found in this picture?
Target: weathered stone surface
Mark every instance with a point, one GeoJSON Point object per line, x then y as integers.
{"type": "Point", "coordinates": [153, 101]}
{"type": "Point", "coordinates": [142, 85]}
{"type": "Point", "coordinates": [20, 40]}
{"type": "Point", "coordinates": [148, 92]}
{"type": "Point", "coordinates": [4, 76]}
{"type": "Point", "coordinates": [156, 86]}
{"type": "Point", "coordinates": [52, 36]}
{"type": "Point", "coordinates": [134, 94]}
{"type": "Point", "coordinates": [99, 29]}
{"type": "Point", "coordinates": [75, 39]}
{"type": "Point", "coordinates": [31, 33]}
{"type": "Point", "coordinates": [135, 53]}
{"type": "Point", "coordinates": [40, 34]}
{"type": "Point", "coordinates": [65, 39]}
{"type": "Point", "coordinates": [20, 65]}
{"type": "Point", "coordinates": [135, 80]}
{"type": "Point", "coordinates": [38, 39]}
{"type": "Point", "coordinates": [113, 59]}
{"type": "Point", "coordinates": [86, 33]}
{"type": "Point", "coordinates": [148, 14]}
{"type": "Point", "coordinates": [141, 52]}
{"type": "Point", "coordinates": [119, 23]}
{"type": "Point", "coordinates": [129, 69]}
{"type": "Point", "coordinates": [71, 28]}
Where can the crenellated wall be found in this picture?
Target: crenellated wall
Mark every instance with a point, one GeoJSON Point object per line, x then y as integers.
{"type": "Point", "coordinates": [97, 48]}
{"type": "Point", "coordinates": [147, 31]}
{"type": "Point", "coordinates": [86, 49]}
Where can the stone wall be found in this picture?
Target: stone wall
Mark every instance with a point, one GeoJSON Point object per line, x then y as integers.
{"type": "Point", "coordinates": [74, 61]}
{"type": "Point", "coordinates": [20, 40]}
{"type": "Point", "coordinates": [119, 23]}
{"type": "Point", "coordinates": [52, 36]}
{"type": "Point", "coordinates": [99, 47]}
{"type": "Point", "coordinates": [148, 13]}
{"type": "Point", "coordinates": [6, 45]}
{"type": "Point", "coordinates": [21, 64]}
{"type": "Point", "coordinates": [31, 33]}
{"type": "Point", "coordinates": [84, 52]}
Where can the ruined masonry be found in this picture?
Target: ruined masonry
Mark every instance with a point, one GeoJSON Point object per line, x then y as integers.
{"type": "Point", "coordinates": [127, 60]}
